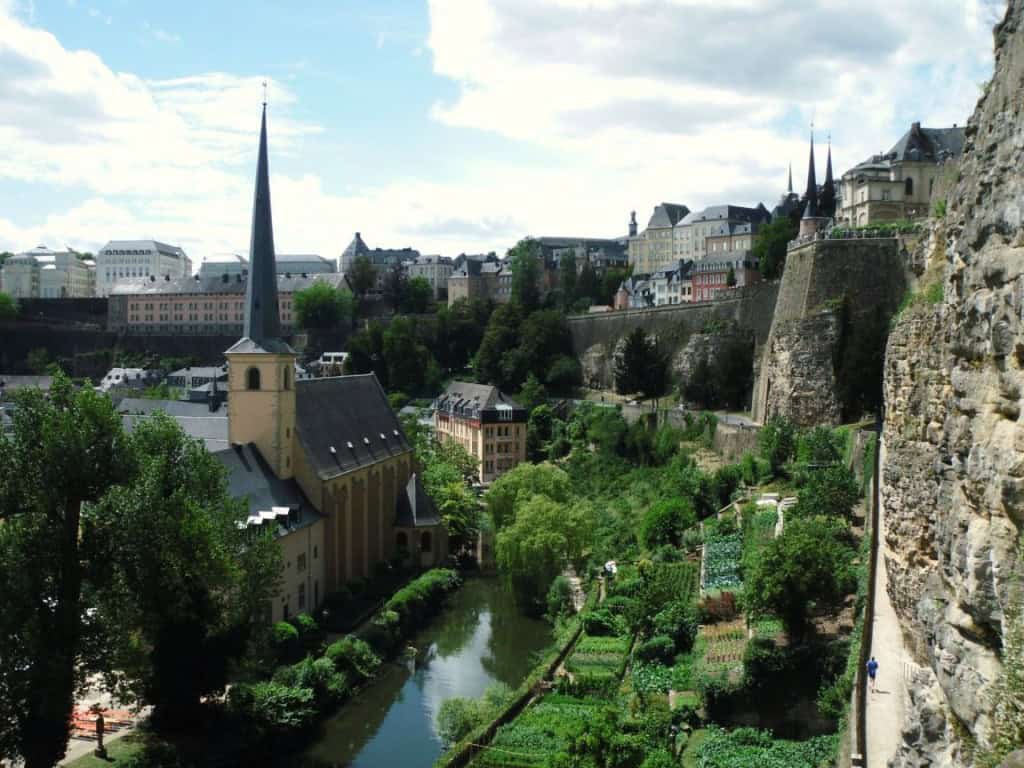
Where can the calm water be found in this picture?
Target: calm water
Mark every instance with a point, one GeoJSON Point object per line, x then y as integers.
{"type": "Point", "coordinates": [479, 639]}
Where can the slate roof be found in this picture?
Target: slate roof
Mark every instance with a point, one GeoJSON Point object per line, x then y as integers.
{"type": "Point", "coordinates": [143, 245]}
{"type": "Point", "coordinates": [215, 284]}
{"type": "Point", "coordinates": [667, 215]}
{"type": "Point", "coordinates": [414, 508]}
{"type": "Point", "coordinates": [728, 212]}
{"type": "Point", "coordinates": [195, 419]}
{"type": "Point", "coordinates": [351, 415]}
{"type": "Point", "coordinates": [929, 143]}
{"type": "Point", "coordinates": [252, 479]}
{"type": "Point", "coordinates": [142, 406]}
{"type": "Point", "coordinates": [462, 395]}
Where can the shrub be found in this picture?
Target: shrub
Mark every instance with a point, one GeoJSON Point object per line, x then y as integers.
{"type": "Point", "coordinates": [559, 598]}
{"type": "Point", "coordinates": [660, 758]}
{"type": "Point", "coordinates": [353, 657]}
{"type": "Point", "coordinates": [659, 649]}
{"type": "Point", "coordinates": [456, 718]}
{"type": "Point", "coordinates": [665, 521]}
{"type": "Point", "coordinates": [273, 707]}
{"type": "Point", "coordinates": [678, 621]}
{"type": "Point", "coordinates": [320, 676]}
{"type": "Point", "coordinates": [285, 641]}
{"type": "Point", "coordinates": [306, 625]}
{"type": "Point", "coordinates": [721, 607]}
{"type": "Point", "coordinates": [421, 597]}
{"type": "Point", "coordinates": [600, 623]}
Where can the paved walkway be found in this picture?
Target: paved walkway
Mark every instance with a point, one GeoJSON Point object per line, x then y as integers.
{"type": "Point", "coordinates": [887, 705]}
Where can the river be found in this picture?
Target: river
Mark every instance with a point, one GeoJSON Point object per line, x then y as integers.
{"type": "Point", "coordinates": [479, 639]}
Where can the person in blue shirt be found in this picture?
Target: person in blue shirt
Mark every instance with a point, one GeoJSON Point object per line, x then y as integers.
{"type": "Point", "coordinates": [872, 672]}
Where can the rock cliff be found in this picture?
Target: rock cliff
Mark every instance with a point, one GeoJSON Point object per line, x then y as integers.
{"type": "Point", "coordinates": [953, 475]}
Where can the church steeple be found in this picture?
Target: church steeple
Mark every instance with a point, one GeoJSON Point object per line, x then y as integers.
{"type": "Point", "coordinates": [261, 365]}
{"type": "Point", "coordinates": [811, 195]}
{"type": "Point", "coordinates": [789, 188]}
{"type": "Point", "coordinates": [262, 320]}
{"type": "Point", "coordinates": [827, 203]}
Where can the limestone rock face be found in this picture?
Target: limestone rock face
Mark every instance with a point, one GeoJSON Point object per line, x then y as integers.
{"type": "Point", "coordinates": [707, 346]}
{"type": "Point", "coordinates": [800, 371]}
{"type": "Point", "coordinates": [953, 477]}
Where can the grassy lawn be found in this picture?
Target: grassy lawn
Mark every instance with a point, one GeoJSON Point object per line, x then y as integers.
{"type": "Point", "coordinates": [118, 751]}
{"type": "Point", "coordinates": [690, 753]}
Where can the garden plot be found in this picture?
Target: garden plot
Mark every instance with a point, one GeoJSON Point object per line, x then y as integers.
{"type": "Point", "coordinates": [721, 566]}
{"type": "Point", "coordinates": [542, 730]}
{"type": "Point", "coordinates": [721, 648]}
{"type": "Point", "coordinates": [600, 657]}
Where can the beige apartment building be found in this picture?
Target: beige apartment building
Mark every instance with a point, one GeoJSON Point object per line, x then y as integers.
{"type": "Point", "coordinates": [200, 305]}
{"type": "Point", "coordinates": [652, 249]}
{"type": "Point", "coordinates": [486, 422]}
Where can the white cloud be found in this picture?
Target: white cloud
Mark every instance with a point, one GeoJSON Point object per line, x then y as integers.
{"type": "Point", "coordinates": [630, 102]}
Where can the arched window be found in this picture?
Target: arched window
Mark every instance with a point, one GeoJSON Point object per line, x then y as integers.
{"type": "Point", "coordinates": [252, 378]}
{"type": "Point", "coordinates": [402, 541]}
{"type": "Point", "coordinates": [425, 542]}
{"type": "Point", "coordinates": [288, 377]}
{"type": "Point", "coordinates": [908, 187]}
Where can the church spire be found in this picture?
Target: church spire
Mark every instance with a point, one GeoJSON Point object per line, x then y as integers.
{"type": "Point", "coordinates": [811, 195]}
{"type": "Point", "coordinates": [789, 188]}
{"type": "Point", "coordinates": [262, 321]}
{"type": "Point", "coordinates": [827, 203]}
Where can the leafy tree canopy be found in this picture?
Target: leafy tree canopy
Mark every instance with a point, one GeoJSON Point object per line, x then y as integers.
{"type": "Point", "coordinates": [321, 307]}
{"type": "Point", "coordinates": [524, 258]}
{"type": "Point", "coordinates": [8, 307]}
{"type": "Point", "coordinates": [769, 246]}
{"type": "Point", "coordinates": [362, 276]}
{"type": "Point", "coordinates": [522, 483]}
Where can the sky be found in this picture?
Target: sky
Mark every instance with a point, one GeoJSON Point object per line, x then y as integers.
{"type": "Point", "coordinates": [450, 126]}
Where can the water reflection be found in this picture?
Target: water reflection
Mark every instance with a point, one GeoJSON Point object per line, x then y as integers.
{"type": "Point", "coordinates": [479, 639]}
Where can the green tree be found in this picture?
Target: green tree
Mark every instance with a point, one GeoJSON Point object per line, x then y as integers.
{"type": "Point", "coordinates": [730, 277]}
{"type": "Point", "coordinates": [587, 283]}
{"type": "Point", "coordinates": [544, 538]}
{"type": "Point", "coordinates": [366, 353]}
{"type": "Point", "coordinates": [831, 492]}
{"type": "Point", "coordinates": [777, 441]}
{"type": "Point", "coordinates": [770, 244]}
{"type": "Point", "coordinates": [363, 275]}
{"type": "Point", "coordinates": [322, 307]}
{"type": "Point", "coordinates": [8, 307]}
{"type": "Point", "coordinates": [500, 337]}
{"type": "Point", "coordinates": [186, 581]}
{"type": "Point", "coordinates": [64, 451]}
{"type": "Point", "coordinates": [460, 330]}
{"type": "Point", "coordinates": [524, 258]}
{"type": "Point", "coordinates": [532, 394]}
{"type": "Point", "coordinates": [38, 361]}
{"type": "Point", "coordinates": [408, 360]}
{"type": "Point", "coordinates": [808, 565]}
{"type": "Point", "coordinates": [525, 481]}
{"type": "Point", "coordinates": [641, 367]}
{"type": "Point", "coordinates": [418, 296]}
{"type": "Point", "coordinates": [665, 520]}
{"type": "Point", "coordinates": [565, 374]}
{"type": "Point", "coordinates": [567, 278]}
{"type": "Point", "coordinates": [539, 431]}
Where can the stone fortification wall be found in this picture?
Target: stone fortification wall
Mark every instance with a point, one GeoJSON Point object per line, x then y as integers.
{"type": "Point", "coordinates": [829, 289]}
{"type": "Point", "coordinates": [595, 337]}
{"type": "Point", "coordinates": [953, 472]}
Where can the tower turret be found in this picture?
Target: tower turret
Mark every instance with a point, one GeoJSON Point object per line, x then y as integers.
{"type": "Point", "coordinates": [632, 224]}
{"type": "Point", "coordinates": [827, 201]}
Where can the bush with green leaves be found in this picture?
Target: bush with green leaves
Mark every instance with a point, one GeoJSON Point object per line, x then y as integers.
{"type": "Point", "coordinates": [659, 649]}
{"type": "Point", "coordinates": [353, 657]}
{"type": "Point", "coordinates": [274, 708]}
{"type": "Point", "coordinates": [559, 598]}
{"type": "Point", "coordinates": [829, 492]}
{"type": "Point", "coordinates": [318, 675]}
{"type": "Point", "coordinates": [777, 442]}
{"type": "Point", "coordinates": [600, 623]}
{"type": "Point", "coordinates": [421, 597]}
{"type": "Point", "coordinates": [664, 522]}
{"type": "Point", "coordinates": [678, 620]}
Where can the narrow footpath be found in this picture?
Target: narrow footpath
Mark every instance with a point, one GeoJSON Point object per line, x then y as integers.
{"type": "Point", "coordinates": [886, 707]}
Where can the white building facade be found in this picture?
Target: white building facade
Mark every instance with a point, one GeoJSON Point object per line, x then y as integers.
{"type": "Point", "coordinates": [45, 274]}
{"type": "Point", "coordinates": [124, 259]}
{"type": "Point", "coordinates": [435, 270]}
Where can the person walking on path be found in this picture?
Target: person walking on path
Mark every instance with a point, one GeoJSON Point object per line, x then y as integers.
{"type": "Point", "coordinates": [872, 672]}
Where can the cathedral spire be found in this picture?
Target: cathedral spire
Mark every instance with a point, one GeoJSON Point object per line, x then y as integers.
{"type": "Point", "coordinates": [811, 195]}
{"type": "Point", "coordinates": [262, 321]}
{"type": "Point", "coordinates": [827, 203]}
{"type": "Point", "coordinates": [789, 188]}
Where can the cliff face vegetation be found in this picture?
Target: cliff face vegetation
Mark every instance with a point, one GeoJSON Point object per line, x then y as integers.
{"type": "Point", "coordinates": [953, 477]}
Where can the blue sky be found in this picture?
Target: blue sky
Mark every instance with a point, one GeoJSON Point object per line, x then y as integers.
{"type": "Point", "coordinates": [448, 125]}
